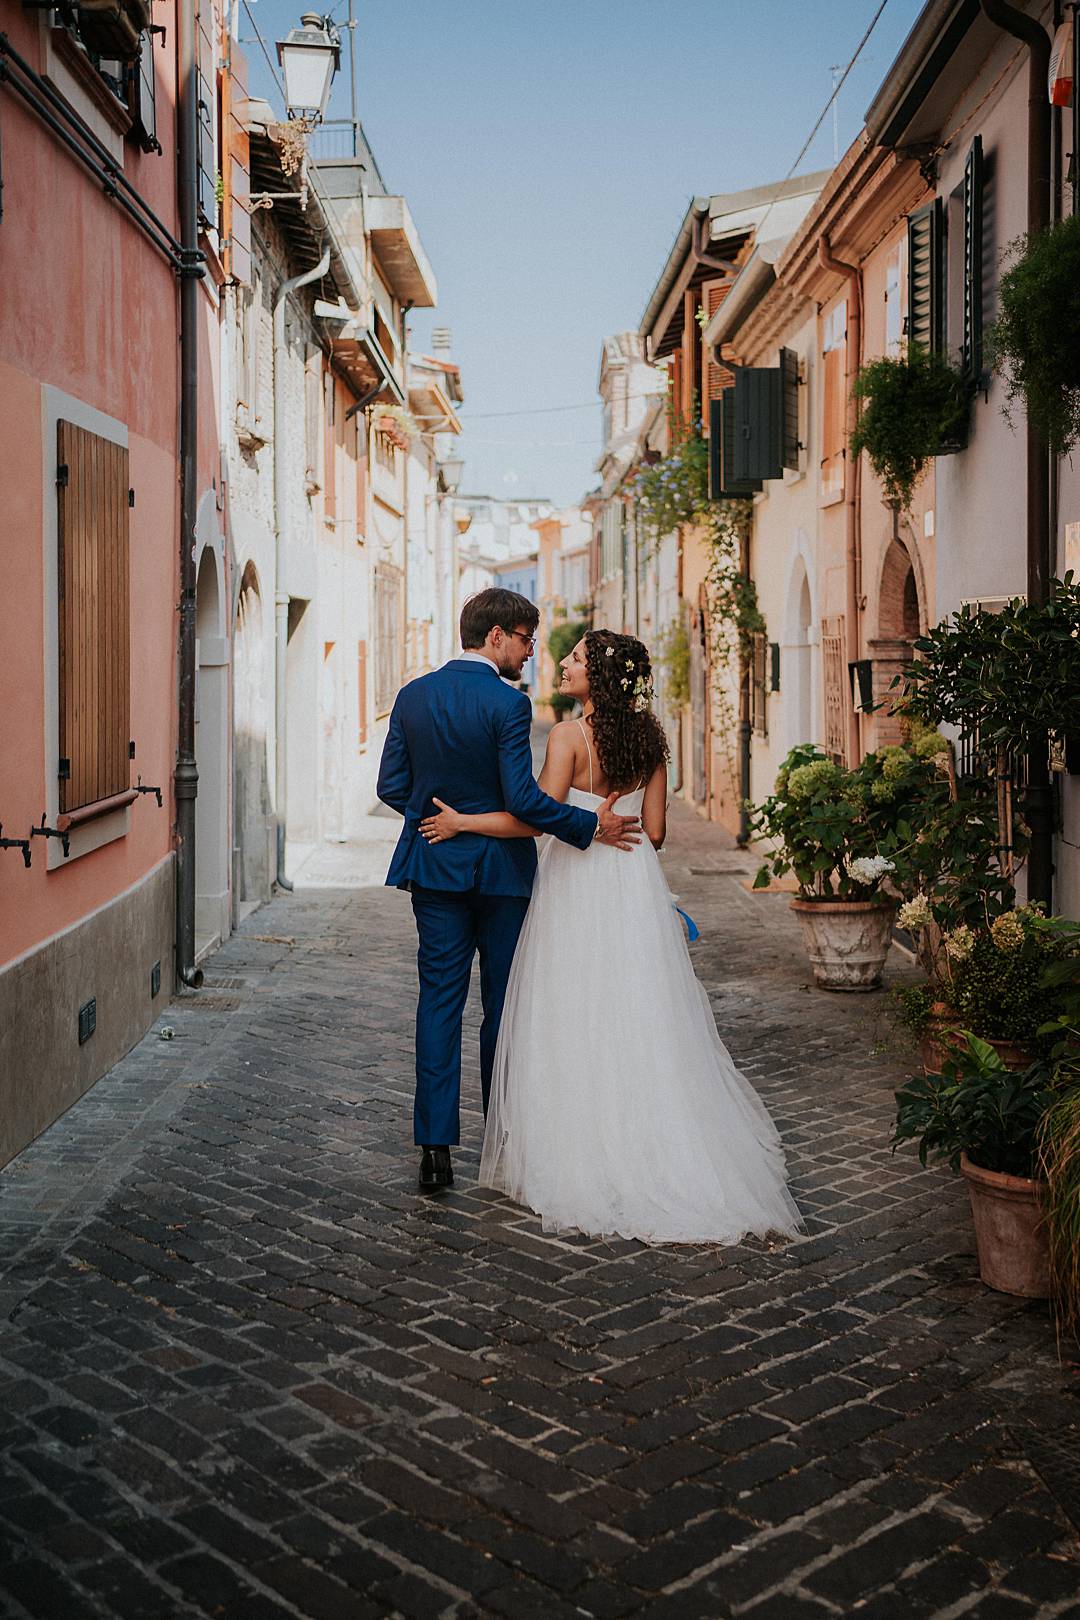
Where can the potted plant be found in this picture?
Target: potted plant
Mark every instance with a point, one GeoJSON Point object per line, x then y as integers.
{"type": "Point", "coordinates": [838, 831]}
{"type": "Point", "coordinates": [985, 1121]}
{"type": "Point", "coordinates": [1035, 341]}
{"type": "Point", "coordinates": [1059, 1133]}
{"type": "Point", "coordinates": [911, 410]}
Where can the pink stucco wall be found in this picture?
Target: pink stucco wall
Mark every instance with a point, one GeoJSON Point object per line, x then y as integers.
{"type": "Point", "coordinates": [89, 307]}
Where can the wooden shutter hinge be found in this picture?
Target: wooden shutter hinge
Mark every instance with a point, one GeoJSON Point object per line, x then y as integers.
{"type": "Point", "coordinates": [62, 475]}
{"type": "Point", "coordinates": [131, 497]}
{"type": "Point", "coordinates": [64, 770]}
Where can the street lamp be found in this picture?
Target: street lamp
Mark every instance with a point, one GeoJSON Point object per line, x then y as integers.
{"type": "Point", "coordinates": [310, 56]}
{"type": "Point", "coordinates": [452, 469]}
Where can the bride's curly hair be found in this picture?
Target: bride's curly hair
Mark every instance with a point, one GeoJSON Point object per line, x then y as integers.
{"type": "Point", "coordinates": [629, 739]}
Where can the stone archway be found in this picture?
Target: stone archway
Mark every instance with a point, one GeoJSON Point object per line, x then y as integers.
{"type": "Point", "coordinates": [212, 907]}
{"type": "Point", "coordinates": [252, 701]}
{"type": "Point", "coordinates": [901, 616]}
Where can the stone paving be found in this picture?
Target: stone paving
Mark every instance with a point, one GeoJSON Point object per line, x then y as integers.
{"type": "Point", "coordinates": [247, 1372]}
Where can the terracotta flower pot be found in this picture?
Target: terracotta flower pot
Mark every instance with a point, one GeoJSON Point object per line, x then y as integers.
{"type": "Point", "coordinates": [939, 1036]}
{"type": "Point", "coordinates": [1010, 1234]}
{"type": "Point", "coordinates": [847, 941]}
{"type": "Point", "coordinates": [943, 1034]}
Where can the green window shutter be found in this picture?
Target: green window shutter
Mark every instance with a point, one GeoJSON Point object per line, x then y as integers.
{"type": "Point", "coordinates": [144, 97]}
{"type": "Point", "coordinates": [789, 397]}
{"type": "Point", "coordinates": [925, 325]}
{"type": "Point", "coordinates": [723, 485]}
{"type": "Point", "coordinates": [971, 348]}
{"type": "Point", "coordinates": [758, 423]}
{"type": "Point", "coordinates": [774, 666]}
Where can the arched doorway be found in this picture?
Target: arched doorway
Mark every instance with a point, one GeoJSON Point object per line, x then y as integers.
{"type": "Point", "coordinates": [798, 689]}
{"type": "Point", "coordinates": [252, 702]}
{"type": "Point", "coordinates": [212, 918]}
{"type": "Point", "coordinates": [900, 618]}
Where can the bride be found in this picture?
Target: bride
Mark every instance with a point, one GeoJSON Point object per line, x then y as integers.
{"type": "Point", "coordinates": [615, 1108]}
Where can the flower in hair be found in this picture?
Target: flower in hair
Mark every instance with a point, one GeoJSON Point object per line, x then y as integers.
{"type": "Point", "coordinates": [609, 652]}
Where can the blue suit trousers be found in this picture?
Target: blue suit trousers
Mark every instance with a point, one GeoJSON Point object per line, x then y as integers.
{"type": "Point", "coordinates": [452, 926]}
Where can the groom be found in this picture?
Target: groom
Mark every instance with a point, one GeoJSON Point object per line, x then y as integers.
{"type": "Point", "coordinates": [462, 734]}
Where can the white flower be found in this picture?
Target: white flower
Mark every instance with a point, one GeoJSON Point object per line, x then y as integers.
{"type": "Point", "coordinates": [915, 914]}
{"type": "Point", "coordinates": [867, 869]}
{"type": "Point", "coordinates": [609, 652]}
{"type": "Point", "coordinates": [960, 943]}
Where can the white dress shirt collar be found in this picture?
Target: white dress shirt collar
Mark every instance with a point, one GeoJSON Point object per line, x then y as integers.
{"type": "Point", "coordinates": [479, 658]}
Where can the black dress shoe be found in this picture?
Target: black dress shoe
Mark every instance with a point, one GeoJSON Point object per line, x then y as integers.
{"type": "Point", "coordinates": [435, 1169]}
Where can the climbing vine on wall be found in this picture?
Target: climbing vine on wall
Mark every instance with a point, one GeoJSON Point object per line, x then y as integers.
{"type": "Point", "coordinates": [734, 619]}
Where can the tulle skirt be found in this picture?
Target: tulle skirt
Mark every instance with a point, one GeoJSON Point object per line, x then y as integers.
{"type": "Point", "coordinates": [615, 1108]}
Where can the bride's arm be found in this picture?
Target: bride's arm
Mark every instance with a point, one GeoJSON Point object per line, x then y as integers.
{"type": "Point", "coordinates": [654, 807]}
{"type": "Point", "coordinates": [555, 780]}
{"type": "Point", "coordinates": [492, 823]}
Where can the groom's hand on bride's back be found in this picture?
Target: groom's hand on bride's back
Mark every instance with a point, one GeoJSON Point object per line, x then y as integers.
{"type": "Point", "coordinates": [619, 831]}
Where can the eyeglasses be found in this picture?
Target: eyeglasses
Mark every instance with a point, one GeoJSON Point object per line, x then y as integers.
{"type": "Point", "coordinates": [530, 641]}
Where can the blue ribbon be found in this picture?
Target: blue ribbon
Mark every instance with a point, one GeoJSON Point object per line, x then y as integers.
{"type": "Point", "coordinates": [692, 930]}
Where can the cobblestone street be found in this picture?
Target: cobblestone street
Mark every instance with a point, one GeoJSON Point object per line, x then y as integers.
{"type": "Point", "coordinates": [248, 1372]}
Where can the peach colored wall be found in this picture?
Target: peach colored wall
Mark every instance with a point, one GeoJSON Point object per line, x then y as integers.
{"type": "Point", "coordinates": [89, 307]}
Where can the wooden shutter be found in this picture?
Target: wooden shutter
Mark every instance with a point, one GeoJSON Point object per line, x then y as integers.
{"type": "Point", "coordinates": [758, 424]}
{"type": "Point", "coordinates": [329, 445]}
{"type": "Point", "coordinates": [925, 243]}
{"type": "Point", "coordinates": [207, 113]}
{"type": "Point", "coordinates": [677, 389]}
{"type": "Point", "coordinates": [789, 406]}
{"type": "Point", "coordinates": [717, 377]}
{"type": "Point", "coordinates": [92, 485]}
{"type": "Point", "coordinates": [723, 485]}
{"type": "Point", "coordinates": [361, 686]}
{"type": "Point", "coordinates": [972, 339]}
{"type": "Point", "coordinates": [143, 101]}
{"type": "Point", "coordinates": [759, 656]}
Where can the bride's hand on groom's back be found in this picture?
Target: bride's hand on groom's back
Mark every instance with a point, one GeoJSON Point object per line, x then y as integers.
{"type": "Point", "coordinates": [621, 832]}
{"type": "Point", "coordinates": [447, 824]}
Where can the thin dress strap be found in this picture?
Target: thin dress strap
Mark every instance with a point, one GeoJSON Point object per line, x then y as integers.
{"type": "Point", "coordinates": [588, 750]}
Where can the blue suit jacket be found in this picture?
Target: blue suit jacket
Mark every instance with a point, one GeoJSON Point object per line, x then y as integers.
{"type": "Point", "coordinates": [463, 734]}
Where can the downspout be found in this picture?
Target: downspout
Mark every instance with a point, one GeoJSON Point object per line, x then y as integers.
{"type": "Point", "coordinates": [281, 595]}
{"type": "Point", "coordinates": [852, 480]}
{"type": "Point", "coordinates": [1039, 796]}
{"type": "Point", "coordinates": [186, 774]}
{"type": "Point", "coordinates": [742, 838]}
{"type": "Point", "coordinates": [405, 308]}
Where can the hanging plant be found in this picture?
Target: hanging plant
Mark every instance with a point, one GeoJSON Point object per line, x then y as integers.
{"type": "Point", "coordinates": [674, 660]}
{"type": "Point", "coordinates": [912, 410]}
{"type": "Point", "coordinates": [1035, 341]}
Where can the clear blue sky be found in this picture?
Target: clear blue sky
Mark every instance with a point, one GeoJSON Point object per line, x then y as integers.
{"type": "Point", "coordinates": [548, 153]}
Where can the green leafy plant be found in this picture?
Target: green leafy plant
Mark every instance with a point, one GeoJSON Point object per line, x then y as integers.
{"type": "Point", "coordinates": [912, 1004]}
{"type": "Point", "coordinates": [674, 660]}
{"type": "Point", "coordinates": [911, 410]}
{"type": "Point", "coordinates": [673, 490]}
{"type": "Point", "coordinates": [1035, 341]}
{"type": "Point", "coordinates": [1010, 679]}
{"type": "Point", "coordinates": [979, 1107]}
{"type": "Point", "coordinates": [1058, 1159]}
{"type": "Point", "coordinates": [998, 978]}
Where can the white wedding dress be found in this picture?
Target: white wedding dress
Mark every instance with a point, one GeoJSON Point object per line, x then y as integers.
{"type": "Point", "coordinates": [615, 1108]}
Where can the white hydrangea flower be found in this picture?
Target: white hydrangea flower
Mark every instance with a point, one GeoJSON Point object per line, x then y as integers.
{"type": "Point", "coordinates": [915, 914]}
{"type": "Point", "coordinates": [960, 942]}
{"type": "Point", "coordinates": [867, 869]}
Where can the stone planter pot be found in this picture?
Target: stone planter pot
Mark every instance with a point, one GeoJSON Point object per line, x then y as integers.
{"type": "Point", "coordinates": [1010, 1234]}
{"type": "Point", "coordinates": [847, 941]}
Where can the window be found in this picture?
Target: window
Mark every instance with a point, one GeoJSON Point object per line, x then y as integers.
{"type": "Point", "coordinates": [717, 377]}
{"type": "Point", "coordinates": [834, 403]}
{"type": "Point", "coordinates": [361, 693]}
{"type": "Point", "coordinates": [895, 288]}
{"type": "Point", "coordinates": [142, 97]}
{"type": "Point", "coordinates": [207, 112]}
{"type": "Point", "coordinates": [388, 636]}
{"type": "Point", "coordinates": [759, 683]}
{"type": "Point", "coordinates": [94, 609]}
{"type": "Point", "coordinates": [835, 682]}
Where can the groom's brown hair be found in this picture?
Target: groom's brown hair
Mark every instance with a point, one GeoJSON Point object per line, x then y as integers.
{"type": "Point", "coordinates": [492, 607]}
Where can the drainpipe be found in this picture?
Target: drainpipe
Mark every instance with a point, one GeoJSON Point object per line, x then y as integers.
{"type": "Point", "coordinates": [1039, 797]}
{"type": "Point", "coordinates": [852, 478]}
{"type": "Point", "coordinates": [742, 838]}
{"type": "Point", "coordinates": [185, 774]}
{"type": "Point", "coordinates": [281, 595]}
